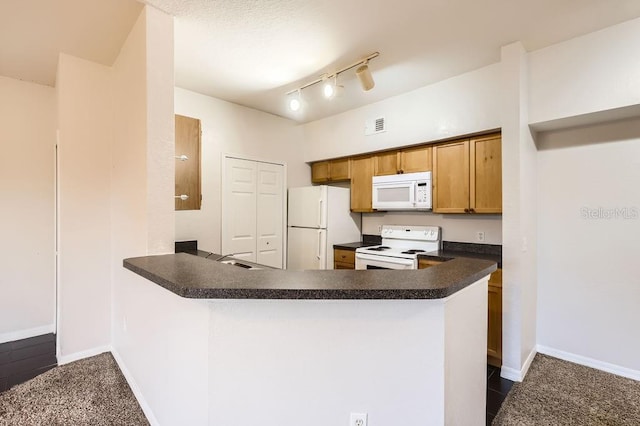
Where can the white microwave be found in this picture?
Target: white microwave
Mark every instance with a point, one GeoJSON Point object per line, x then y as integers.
{"type": "Point", "coordinates": [410, 191]}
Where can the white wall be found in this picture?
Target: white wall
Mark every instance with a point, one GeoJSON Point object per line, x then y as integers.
{"type": "Point", "coordinates": [233, 129]}
{"type": "Point", "coordinates": [85, 121]}
{"type": "Point", "coordinates": [27, 261]}
{"type": "Point", "coordinates": [588, 288]}
{"type": "Point", "coordinates": [457, 106]}
{"type": "Point", "coordinates": [455, 227]}
{"type": "Point", "coordinates": [454, 107]}
{"type": "Point", "coordinates": [596, 72]}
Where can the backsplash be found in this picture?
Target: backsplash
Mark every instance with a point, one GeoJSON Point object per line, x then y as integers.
{"type": "Point", "coordinates": [455, 227]}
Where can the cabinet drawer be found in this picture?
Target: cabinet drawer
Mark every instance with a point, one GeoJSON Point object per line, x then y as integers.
{"type": "Point", "coordinates": [344, 256]}
{"type": "Point", "coordinates": [427, 263]}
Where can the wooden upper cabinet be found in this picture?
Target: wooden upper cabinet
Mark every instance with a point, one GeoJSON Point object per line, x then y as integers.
{"type": "Point", "coordinates": [451, 177]}
{"type": "Point", "coordinates": [385, 163]}
{"type": "Point", "coordinates": [188, 172]}
{"type": "Point", "coordinates": [320, 172]}
{"type": "Point", "coordinates": [361, 183]}
{"type": "Point", "coordinates": [486, 175]}
{"type": "Point", "coordinates": [331, 170]}
{"type": "Point", "coordinates": [410, 160]}
{"type": "Point", "coordinates": [413, 160]}
{"type": "Point", "coordinates": [467, 176]}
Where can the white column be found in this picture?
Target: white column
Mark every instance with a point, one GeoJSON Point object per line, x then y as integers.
{"type": "Point", "coordinates": [519, 157]}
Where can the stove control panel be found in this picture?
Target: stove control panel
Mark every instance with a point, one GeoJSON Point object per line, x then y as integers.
{"type": "Point", "coordinates": [413, 232]}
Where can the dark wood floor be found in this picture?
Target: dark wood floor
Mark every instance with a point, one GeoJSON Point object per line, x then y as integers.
{"type": "Point", "coordinates": [25, 359]}
{"type": "Point", "coordinates": [497, 390]}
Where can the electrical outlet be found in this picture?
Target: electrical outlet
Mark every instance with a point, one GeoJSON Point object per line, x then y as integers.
{"type": "Point", "coordinates": [480, 236]}
{"type": "Point", "coordinates": [358, 419]}
{"type": "Point", "coordinates": [379, 229]}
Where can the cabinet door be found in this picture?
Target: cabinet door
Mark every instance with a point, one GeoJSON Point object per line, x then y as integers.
{"type": "Point", "coordinates": [494, 316]}
{"type": "Point", "coordinates": [361, 181]}
{"type": "Point", "coordinates": [486, 175]}
{"type": "Point", "coordinates": [320, 172]}
{"type": "Point", "coordinates": [188, 172]}
{"type": "Point", "coordinates": [386, 163]}
{"type": "Point", "coordinates": [340, 169]}
{"type": "Point", "coordinates": [415, 160]}
{"type": "Point", "coordinates": [451, 178]}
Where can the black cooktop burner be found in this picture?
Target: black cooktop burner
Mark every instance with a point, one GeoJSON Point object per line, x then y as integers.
{"type": "Point", "coordinates": [380, 248]}
{"type": "Point", "coordinates": [413, 251]}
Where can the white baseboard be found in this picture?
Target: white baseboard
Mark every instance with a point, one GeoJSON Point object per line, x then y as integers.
{"type": "Point", "coordinates": [518, 375]}
{"type": "Point", "coordinates": [25, 334]}
{"type": "Point", "coordinates": [135, 389]}
{"type": "Point", "coordinates": [66, 359]}
{"type": "Point", "coordinates": [590, 362]}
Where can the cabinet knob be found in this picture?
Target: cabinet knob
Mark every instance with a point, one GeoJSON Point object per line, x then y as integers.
{"type": "Point", "coordinates": [472, 210]}
{"type": "Point", "coordinates": [466, 210]}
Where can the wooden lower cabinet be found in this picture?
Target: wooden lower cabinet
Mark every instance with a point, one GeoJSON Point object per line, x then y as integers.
{"type": "Point", "coordinates": [494, 327]}
{"type": "Point", "coordinates": [426, 263]}
{"type": "Point", "coordinates": [344, 259]}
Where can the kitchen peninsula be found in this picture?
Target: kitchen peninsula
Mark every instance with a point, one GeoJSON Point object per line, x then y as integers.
{"type": "Point", "coordinates": [270, 346]}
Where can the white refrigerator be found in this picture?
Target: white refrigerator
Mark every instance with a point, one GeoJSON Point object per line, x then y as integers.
{"type": "Point", "coordinates": [318, 218]}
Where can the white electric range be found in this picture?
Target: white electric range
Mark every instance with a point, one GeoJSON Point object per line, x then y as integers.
{"type": "Point", "coordinates": [400, 247]}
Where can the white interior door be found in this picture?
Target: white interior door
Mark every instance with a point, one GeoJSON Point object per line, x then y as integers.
{"type": "Point", "coordinates": [239, 209]}
{"type": "Point", "coordinates": [269, 209]}
{"type": "Point", "coordinates": [253, 211]}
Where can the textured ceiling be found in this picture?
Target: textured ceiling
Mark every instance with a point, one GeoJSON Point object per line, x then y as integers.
{"type": "Point", "coordinates": [33, 32]}
{"type": "Point", "coordinates": [252, 52]}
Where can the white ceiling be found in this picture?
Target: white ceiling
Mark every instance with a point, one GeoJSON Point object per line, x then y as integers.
{"type": "Point", "coordinates": [252, 52]}
{"type": "Point", "coordinates": [33, 32]}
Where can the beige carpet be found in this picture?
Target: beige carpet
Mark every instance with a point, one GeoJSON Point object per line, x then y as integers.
{"type": "Point", "coordinates": [91, 391]}
{"type": "Point", "coordinates": [557, 392]}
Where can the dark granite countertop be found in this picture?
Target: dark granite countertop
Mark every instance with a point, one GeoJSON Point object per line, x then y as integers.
{"type": "Point", "coordinates": [353, 246]}
{"type": "Point", "coordinates": [445, 255]}
{"type": "Point", "coordinates": [200, 278]}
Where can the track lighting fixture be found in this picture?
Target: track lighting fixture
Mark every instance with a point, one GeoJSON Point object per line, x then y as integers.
{"type": "Point", "coordinates": [330, 88]}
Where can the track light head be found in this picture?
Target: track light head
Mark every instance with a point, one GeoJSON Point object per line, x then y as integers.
{"type": "Point", "coordinates": [295, 103]}
{"type": "Point", "coordinates": [364, 76]}
{"type": "Point", "coordinates": [329, 89]}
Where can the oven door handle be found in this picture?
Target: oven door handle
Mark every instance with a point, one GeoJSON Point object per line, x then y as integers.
{"type": "Point", "coordinates": [387, 259]}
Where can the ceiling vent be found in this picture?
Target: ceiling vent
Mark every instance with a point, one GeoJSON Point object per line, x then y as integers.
{"type": "Point", "coordinates": [376, 125]}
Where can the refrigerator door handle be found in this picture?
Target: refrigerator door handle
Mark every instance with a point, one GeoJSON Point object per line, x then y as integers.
{"type": "Point", "coordinates": [320, 213]}
{"type": "Point", "coordinates": [319, 244]}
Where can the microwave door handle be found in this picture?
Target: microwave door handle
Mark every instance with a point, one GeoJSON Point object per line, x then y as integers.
{"type": "Point", "coordinates": [412, 193]}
